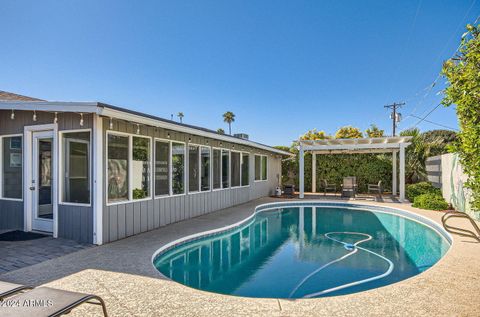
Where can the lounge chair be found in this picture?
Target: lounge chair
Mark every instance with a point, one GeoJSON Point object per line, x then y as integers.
{"type": "Point", "coordinates": [329, 186]}
{"type": "Point", "coordinates": [46, 301]}
{"type": "Point", "coordinates": [8, 289]}
{"type": "Point", "coordinates": [375, 188]}
{"type": "Point", "coordinates": [349, 186]}
{"type": "Point", "coordinates": [289, 190]}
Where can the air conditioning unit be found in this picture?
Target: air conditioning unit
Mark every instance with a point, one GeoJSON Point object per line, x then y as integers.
{"type": "Point", "coordinates": [241, 136]}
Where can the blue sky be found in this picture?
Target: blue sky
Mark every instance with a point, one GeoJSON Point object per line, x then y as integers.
{"type": "Point", "coordinates": [282, 67]}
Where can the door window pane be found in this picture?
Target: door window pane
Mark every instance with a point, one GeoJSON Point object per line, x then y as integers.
{"type": "Point", "coordinates": [235, 168]}
{"type": "Point", "coordinates": [12, 167]}
{"type": "Point", "coordinates": [193, 168]}
{"type": "Point", "coordinates": [76, 167]}
{"type": "Point", "coordinates": [117, 167]}
{"type": "Point", "coordinates": [264, 168]}
{"type": "Point", "coordinates": [258, 167]}
{"type": "Point", "coordinates": [225, 168]}
{"type": "Point", "coordinates": [217, 168]}
{"type": "Point", "coordinates": [245, 169]}
{"type": "Point", "coordinates": [178, 168]}
{"type": "Point", "coordinates": [205, 168]}
{"type": "Point", "coordinates": [45, 207]}
{"type": "Point", "coordinates": [162, 168]}
{"type": "Point", "coordinates": [140, 167]}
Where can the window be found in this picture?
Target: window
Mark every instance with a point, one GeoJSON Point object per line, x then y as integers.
{"type": "Point", "coordinates": [258, 167]}
{"type": "Point", "coordinates": [245, 169]}
{"type": "Point", "coordinates": [162, 168]}
{"type": "Point", "coordinates": [261, 167]}
{"type": "Point", "coordinates": [205, 168]}
{"type": "Point", "coordinates": [235, 169]}
{"type": "Point", "coordinates": [117, 178]}
{"type": "Point", "coordinates": [76, 167]}
{"type": "Point", "coordinates": [178, 168]}
{"type": "Point", "coordinates": [193, 168]}
{"type": "Point", "coordinates": [12, 171]}
{"type": "Point", "coordinates": [140, 167]}
{"type": "Point", "coordinates": [264, 168]}
{"type": "Point", "coordinates": [225, 169]}
{"type": "Point", "coordinates": [217, 169]}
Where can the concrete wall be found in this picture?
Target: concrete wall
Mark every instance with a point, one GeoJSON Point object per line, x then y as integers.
{"type": "Point", "coordinates": [74, 222]}
{"type": "Point", "coordinates": [445, 172]}
{"type": "Point", "coordinates": [130, 218]}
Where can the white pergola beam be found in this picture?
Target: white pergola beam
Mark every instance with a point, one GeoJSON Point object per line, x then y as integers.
{"type": "Point", "coordinates": [301, 174]}
{"type": "Point", "coordinates": [402, 173]}
{"type": "Point", "coordinates": [314, 173]}
{"type": "Point", "coordinates": [394, 173]}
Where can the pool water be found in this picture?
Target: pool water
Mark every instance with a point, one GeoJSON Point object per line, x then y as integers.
{"type": "Point", "coordinates": [304, 252]}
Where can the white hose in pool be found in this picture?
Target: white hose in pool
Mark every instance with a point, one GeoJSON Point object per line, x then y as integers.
{"type": "Point", "coordinates": [355, 248]}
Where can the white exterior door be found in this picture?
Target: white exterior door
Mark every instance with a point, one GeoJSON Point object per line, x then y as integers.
{"type": "Point", "coordinates": [42, 183]}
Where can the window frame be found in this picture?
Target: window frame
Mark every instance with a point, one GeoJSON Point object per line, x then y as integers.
{"type": "Point", "coordinates": [2, 137]}
{"type": "Point", "coordinates": [209, 169]}
{"type": "Point", "coordinates": [130, 170]}
{"type": "Point", "coordinates": [261, 168]}
{"type": "Point", "coordinates": [228, 169]}
{"type": "Point", "coordinates": [199, 146]}
{"type": "Point", "coordinates": [185, 191]}
{"type": "Point", "coordinates": [221, 183]}
{"type": "Point", "coordinates": [170, 189]}
{"type": "Point", "coordinates": [61, 165]}
{"type": "Point", "coordinates": [240, 169]}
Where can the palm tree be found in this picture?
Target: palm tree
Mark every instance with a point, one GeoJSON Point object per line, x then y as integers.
{"type": "Point", "coordinates": [180, 116]}
{"type": "Point", "coordinates": [229, 117]}
{"type": "Point", "coordinates": [220, 130]}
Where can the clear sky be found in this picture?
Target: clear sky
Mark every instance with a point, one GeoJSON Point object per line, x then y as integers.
{"type": "Point", "coordinates": [282, 67]}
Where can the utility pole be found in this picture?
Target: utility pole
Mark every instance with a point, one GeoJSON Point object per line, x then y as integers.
{"type": "Point", "coordinates": [395, 116]}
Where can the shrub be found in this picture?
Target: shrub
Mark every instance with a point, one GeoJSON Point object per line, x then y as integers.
{"type": "Point", "coordinates": [414, 190]}
{"type": "Point", "coordinates": [139, 193]}
{"type": "Point", "coordinates": [430, 201]}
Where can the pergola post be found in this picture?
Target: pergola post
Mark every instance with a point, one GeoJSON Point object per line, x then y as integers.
{"type": "Point", "coordinates": [314, 172]}
{"type": "Point", "coordinates": [394, 173]}
{"type": "Point", "coordinates": [301, 178]}
{"type": "Point", "coordinates": [402, 172]}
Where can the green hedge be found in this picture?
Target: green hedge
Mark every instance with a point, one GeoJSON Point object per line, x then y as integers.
{"type": "Point", "coordinates": [368, 168]}
{"type": "Point", "coordinates": [430, 201]}
{"type": "Point", "coordinates": [414, 190]}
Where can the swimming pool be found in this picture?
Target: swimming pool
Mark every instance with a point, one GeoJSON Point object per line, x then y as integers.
{"type": "Point", "coordinates": [305, 250]}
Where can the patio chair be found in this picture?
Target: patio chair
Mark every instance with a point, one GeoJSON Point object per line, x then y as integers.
{"type": "Point", "coordinates": [329, 186]}
{"type": "Point", "coordinates": [375, 188]}
{"type": "Point", "coordinates": [49, 302]}
{"type": "Point", "coordinates": [349, 186]}
{"type": "Point", "coordinates": [289, 190]}
{"type": "Point", "coordinates": [8, 289]}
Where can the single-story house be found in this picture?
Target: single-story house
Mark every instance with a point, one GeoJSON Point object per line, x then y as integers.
{"type": "Point", "coordinates": [96, 173]}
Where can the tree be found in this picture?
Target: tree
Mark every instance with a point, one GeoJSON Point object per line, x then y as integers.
{"type": "Point", "coordinates": [417, 153]}
{"type": "Point", "coordinates": [374, 132]}
{"type": "Point", "coordinates": [220, 130]}
{"type": "Point", "coordinates": [180, 116]}
{"type": "Point", "coordinates": [229, 117]}
{"type": "Point", "coordinates": [348, 132]}
{"type": "Point", "coordinates": [448, 139]}
{"type": "Point", "coordinates": [463, 90]}
{"type": "Point", "coordinates": [314, 135]}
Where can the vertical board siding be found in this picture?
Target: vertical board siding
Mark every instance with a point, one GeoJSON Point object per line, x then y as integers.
{"type": "Point", "coordinates": [134, 217]}
{"type": "Point", "coordinates": [75, 223]}
{"type": "Point", "coordinates": [11, 214]}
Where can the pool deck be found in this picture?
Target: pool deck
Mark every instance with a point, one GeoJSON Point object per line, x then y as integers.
{"type": "Point", "coordinates": [122, 274]}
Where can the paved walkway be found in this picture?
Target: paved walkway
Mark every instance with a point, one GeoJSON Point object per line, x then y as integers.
{"type": "Point", "coordinates": [122, 274]}
{"type": "Point", "coordinates": [15, 255]}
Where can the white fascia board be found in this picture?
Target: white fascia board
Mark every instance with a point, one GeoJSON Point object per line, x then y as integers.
{"type": "Point", "coordinates": [113, 113]}
{"type": "Point", "coordinates": [353, 146]}
{"type": "Point", "coordinates": [58, 106]}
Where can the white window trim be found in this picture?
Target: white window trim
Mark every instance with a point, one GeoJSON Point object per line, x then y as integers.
{"type": "Point", "coordinates": [130, 175]}
{"type": "Point", "coordinates": [241, 171]}
{"type": "Point", "coordinates": [221, 183]}
{"type": "Point", "coordinates": [228, 169]}
{"type": "Point", "coordinates": [210, 185]}
{"type": "Point", "coordinates": [198, 191]}
{"type": "Point", "coordinates": [240, 179]}
{"type": "Point", "coordinates": [184, 169]}
{"type": "Point", "coordinates": [61, 170]}
{"type": "Point", "coordinates": [169, 142]}
{"type": "Point", "coordinates": [261, 165]}
{"type": "Point", "coordinates": [2, 137]}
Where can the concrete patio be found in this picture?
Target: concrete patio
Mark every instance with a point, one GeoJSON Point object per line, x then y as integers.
{"type": "Point", "coordinates": [122, 274]}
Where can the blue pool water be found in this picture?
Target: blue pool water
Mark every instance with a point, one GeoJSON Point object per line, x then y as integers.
{"type": "Point", "coordinates": [303, 252]}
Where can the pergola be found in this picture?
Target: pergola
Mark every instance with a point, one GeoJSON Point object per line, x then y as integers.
{"type": "Point", "coordinates": [392, 145]}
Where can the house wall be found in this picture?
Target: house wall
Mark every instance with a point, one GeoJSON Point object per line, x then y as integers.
{"type": "Point", "coordinates": [130, 218]}
{"type": "Point", "coordinates": [74, 222]}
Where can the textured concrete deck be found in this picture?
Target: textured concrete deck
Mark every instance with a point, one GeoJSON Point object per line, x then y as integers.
{"type": "Point", "coordinates": [122, 274]}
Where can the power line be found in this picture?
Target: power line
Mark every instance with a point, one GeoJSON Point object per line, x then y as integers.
{"type": "Point", "coordinates": [395, 116]}
{"type": "Point", "coordinates": [435, 123]}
